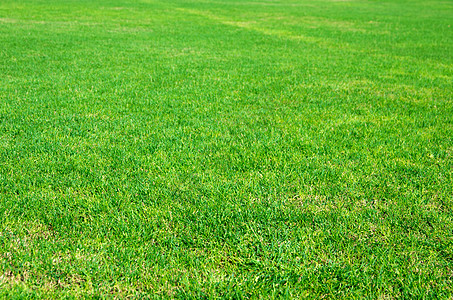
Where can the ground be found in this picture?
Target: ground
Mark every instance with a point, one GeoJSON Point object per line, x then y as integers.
{"type": "Point", "coordinates": [226, 149]}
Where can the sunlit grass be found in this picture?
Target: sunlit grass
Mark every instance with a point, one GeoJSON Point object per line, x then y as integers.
{"type": "Point", "coordinates": [203, 149]}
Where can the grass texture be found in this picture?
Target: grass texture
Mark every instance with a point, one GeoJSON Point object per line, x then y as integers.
{"type": "Point", "coordinates": [226, 149]}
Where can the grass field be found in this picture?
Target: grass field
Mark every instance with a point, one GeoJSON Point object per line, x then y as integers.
{"type": "Point", "coordinates": [226, 149]}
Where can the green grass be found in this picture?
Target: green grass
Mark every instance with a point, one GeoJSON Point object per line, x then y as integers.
{"type": "Point", "coordinates": [226, 149]}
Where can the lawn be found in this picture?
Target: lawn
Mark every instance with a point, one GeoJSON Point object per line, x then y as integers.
{"type": "Point", "coordinates": [226, 149]}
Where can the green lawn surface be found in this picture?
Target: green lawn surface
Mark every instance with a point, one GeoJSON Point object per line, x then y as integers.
{"type": "Point", "coordinates": [226, 149]}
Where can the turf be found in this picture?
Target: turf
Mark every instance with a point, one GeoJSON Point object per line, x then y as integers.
{"type": "Point", "coordinates": [226, 149]}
